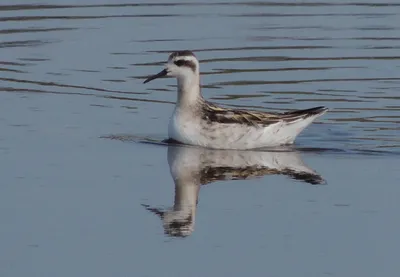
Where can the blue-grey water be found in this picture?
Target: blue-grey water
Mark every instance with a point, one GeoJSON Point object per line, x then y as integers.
{"type": "Point", "coordinates": [87, 189]}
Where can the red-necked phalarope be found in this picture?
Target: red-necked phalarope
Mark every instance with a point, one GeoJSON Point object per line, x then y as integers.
{"type": "Point", "coordinates": [196, 121]}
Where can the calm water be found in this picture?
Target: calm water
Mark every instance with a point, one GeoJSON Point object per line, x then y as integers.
{"type": "Point", "coordinates": [82, 195]}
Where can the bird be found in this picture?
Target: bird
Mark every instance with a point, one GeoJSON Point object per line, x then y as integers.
{"type": "Point", "coordinates": [196, 121]}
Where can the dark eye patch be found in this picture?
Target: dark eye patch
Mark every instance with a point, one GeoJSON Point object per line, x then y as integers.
{"type": "Point", "coordinates": [189, 64]}
{"type": "Point", "coordinates": [179, 62]}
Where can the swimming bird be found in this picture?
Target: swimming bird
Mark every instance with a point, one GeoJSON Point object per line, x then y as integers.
{"type": "Point", "coordinates": [196, 121]}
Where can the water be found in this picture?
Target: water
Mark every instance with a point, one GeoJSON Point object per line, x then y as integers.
{"type": "Point", "coordinates": [82, 195]}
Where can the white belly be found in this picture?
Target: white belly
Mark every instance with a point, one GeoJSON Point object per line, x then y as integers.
{"type": "Point", "coordinates": [192, 130]}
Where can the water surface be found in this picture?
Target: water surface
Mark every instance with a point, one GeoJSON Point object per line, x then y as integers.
{"type": "Point", "coordinates": [81, 195]}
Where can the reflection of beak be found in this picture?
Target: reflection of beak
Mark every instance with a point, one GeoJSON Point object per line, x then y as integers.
{"type": "Point", "coordinates": [158, 75]}
{"type": "Point", "coordinates": [154, 210]}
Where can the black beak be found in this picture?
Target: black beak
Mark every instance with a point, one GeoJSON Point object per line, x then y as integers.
{"type": "Point", "coordinates": [158, 75]}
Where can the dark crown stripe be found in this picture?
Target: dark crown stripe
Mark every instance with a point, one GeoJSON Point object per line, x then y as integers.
{"type": "Point", "coordinates": [184, 53]}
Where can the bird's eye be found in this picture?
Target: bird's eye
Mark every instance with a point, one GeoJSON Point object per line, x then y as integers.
{"type": "Point", "coordinates": [179, 62]}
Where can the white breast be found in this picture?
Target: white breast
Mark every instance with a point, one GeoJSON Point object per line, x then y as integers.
{"type": "Point", "coordinates": [183, 127]}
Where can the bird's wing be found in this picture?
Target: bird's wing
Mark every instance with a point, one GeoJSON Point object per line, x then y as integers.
{"type": "Point", "coordinates": [218, 114]}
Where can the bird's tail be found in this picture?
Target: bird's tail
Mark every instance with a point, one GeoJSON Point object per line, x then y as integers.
{"type": "Point", "coordinates": [317, 111]}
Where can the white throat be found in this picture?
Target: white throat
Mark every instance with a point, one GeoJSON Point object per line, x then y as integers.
{"type": "Point", "coordinates": [188, 90]}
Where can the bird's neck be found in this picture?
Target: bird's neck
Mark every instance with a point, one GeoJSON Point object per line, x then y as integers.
{"type": "Point", "coordinates": [189, 92]}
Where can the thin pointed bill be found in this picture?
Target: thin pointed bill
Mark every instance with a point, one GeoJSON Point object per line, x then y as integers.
{"type": "Point", "coordinates": [158, 75]}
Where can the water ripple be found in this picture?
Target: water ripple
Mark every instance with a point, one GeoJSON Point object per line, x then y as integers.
{"type": "Point", "coordinates": [274, 55]}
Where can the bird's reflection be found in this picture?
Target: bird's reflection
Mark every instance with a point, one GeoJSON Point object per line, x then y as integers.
{"type": "Point", "coordinates": [192, 167]}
